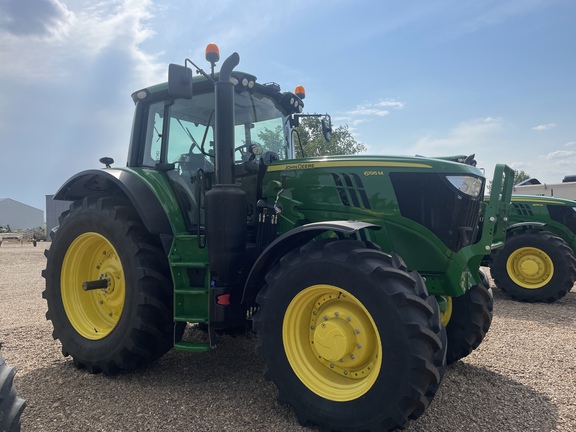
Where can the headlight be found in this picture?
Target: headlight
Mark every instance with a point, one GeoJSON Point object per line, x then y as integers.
{"type": "Point", "coordinates": [466, 184]}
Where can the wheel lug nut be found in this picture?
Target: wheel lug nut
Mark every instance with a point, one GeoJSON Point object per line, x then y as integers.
{"type": "Point", "coordinates": [357, 331]}
{"type": "Point", "coordinates": [348, 319]}
{"type": "Point", "coordinates": [336, 314]}
{"type": "Point", "coordinates": [352, 357]}
{"type": "Point", "coordinates": [358, 346]}
{"type": "Point", "coordinates": [325, 317]}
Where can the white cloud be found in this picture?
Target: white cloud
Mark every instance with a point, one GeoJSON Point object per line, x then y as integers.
{"type": "Point", "coordinates": [469, 136]}
{"type": "Point", "coordinates": [560, 155]}
{"type": "Point", "coordinates": [544, 127]}
{"type": "Point", "coordinates": [368, 111]}
{"type": "Point", "coordinates": [553, 166]}
{"type": "Point", "coordinates": [518, 166]}
{"type": "Point", "coordinates": [41, 19]}
{"type": "Point", "coordinates": [569, 144]}
{"type": "Point", "coordinates": [53, 42]}
{"type": "Point", "coordinates": [67, 77]}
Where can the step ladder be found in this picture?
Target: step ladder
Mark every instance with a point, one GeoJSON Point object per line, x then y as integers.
{"type": "Point", "coordinates": [189, 265]}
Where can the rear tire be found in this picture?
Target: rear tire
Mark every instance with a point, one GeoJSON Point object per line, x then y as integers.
{"type": "Point", "coordinates": [534, 266]}
{"type": "Point", "coordinates": [350, 338]}
{"type": "Point", "coordinates": [128, 324]}
{"type": "Point", "coordinates": [11, 406]}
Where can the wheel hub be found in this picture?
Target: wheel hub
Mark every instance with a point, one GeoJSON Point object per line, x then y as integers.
{"type": "Point", "coordinates": [334, 339]}
{"type": "Point", "coordinates": [530, 267]}
{"type": "Point", "coordinates": [332, 343]}
{"type": "Point", "coordinates": [93, 313]}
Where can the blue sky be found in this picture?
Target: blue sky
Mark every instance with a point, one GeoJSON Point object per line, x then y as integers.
{"type": "Point", "coordinates": [491, 77]}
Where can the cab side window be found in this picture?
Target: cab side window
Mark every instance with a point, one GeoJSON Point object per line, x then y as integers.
{"type": "Point", "coordinates": [154, 130]}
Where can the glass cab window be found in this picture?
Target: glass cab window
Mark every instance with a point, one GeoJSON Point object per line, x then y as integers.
{"type": "Point", "coordinates": [188, 141]}
{"type": "Point", "coordinates": [180, 136]}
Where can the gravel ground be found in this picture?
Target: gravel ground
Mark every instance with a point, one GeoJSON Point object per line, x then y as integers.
{"type": "Point", "coordinates": [522, 377]}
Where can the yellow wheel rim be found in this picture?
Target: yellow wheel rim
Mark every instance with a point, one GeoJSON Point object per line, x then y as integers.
{"type": "Point", "coordinates": [530, 267]}
{"type": "Point", "coordinates": [332, 343]}
{"type": "Point", "coordinates": [94, 313]}
{"type": "Point", "coordinates": [445, 310]}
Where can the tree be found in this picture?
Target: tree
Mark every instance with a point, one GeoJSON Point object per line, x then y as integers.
{"type": "Point", "coordinates": [271, 139]}
{"type": "Point", "coordinates": [520, 176]}
{"type": "Point", "coordinates": [309, 138]}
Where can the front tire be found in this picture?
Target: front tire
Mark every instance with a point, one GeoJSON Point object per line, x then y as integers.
{"type": "Point", "coordinates": [129, 323]}
{"type": "Point", "coordinates": [470, 317]}
{"type": "Point", "coordinates": [534, 266]}
{"type": "Point", "coordinates": [350, 338]}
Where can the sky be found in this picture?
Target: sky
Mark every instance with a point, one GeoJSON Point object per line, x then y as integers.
{"type": "Point", "coordinates": [416, 77]}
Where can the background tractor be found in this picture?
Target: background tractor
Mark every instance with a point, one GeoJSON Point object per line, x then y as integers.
{"type": "Point", "coordinates": [538, 262]}
{"type": "Point", "coordinates": [355, 270]}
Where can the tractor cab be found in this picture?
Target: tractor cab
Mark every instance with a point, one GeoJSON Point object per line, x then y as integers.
{"type": "Point", "coordinates": [177, 135]}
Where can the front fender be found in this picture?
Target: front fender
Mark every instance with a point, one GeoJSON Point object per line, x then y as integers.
{"type": "Point", "coordinates": [525, 225]}
{"type": "Point", "coordinates": [116, 182]}
{"type": "Point", "coordinates": [291, 240]}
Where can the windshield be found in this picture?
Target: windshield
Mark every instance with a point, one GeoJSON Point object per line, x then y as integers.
{"type": "Point", "coordinates": [258, 119]}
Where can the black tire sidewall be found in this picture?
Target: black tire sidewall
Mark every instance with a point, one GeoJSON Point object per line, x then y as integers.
{"type": "Point", "coordinates": [78, 223]}
{"type": "Point", "coordinates": [397, 346]}
{"type": "Point", "coordinates": [470, 321]}
{"type": "Point", "coordinates": [11, 406]}
{"type": "Point", "coordinates": [557, 250]}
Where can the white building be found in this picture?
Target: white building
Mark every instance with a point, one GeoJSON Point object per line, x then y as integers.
{"type": "Point", "coordinates": [566, 189]}
{"type": "Point", "coordinates": [20, 216]}
{"type": "Point", "coordinates": [53, 211]}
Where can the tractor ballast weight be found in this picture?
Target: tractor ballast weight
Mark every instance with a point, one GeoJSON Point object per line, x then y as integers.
{"type": "Point", "coordinates": [361, 273]}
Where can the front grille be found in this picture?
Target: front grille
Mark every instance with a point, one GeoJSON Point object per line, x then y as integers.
{"type": "Point", "coordinates": [430, 200]}
{"type": "Point", "coordinates": [351, 190]}
{"type": "Point", "coordinates": [564, 215]}
{"type": "Point", "coordinates": [523, 209]}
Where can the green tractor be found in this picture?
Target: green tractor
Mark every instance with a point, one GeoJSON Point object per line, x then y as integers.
{"type": "Point", "coordinates": [537, 263]}
{"type": "Point", "coordinates": [360, 273]}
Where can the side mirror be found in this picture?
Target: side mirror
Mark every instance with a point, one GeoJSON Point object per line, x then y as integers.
{"type": "Point", "coordinates": [326, 130]}
{"type": "Point", "coordinates": [179, 81]}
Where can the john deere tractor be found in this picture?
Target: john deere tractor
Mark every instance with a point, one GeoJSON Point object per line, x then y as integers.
{"type": "Point", "coordinates": [538, 262]}
{"type": "Point", "coordinates": [349, 267]}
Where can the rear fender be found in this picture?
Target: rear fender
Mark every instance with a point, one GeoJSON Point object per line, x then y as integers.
{"type": "Point", "coordinates": [114, 182]}
{"type": "Point", "coordinates": [290, 241]}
